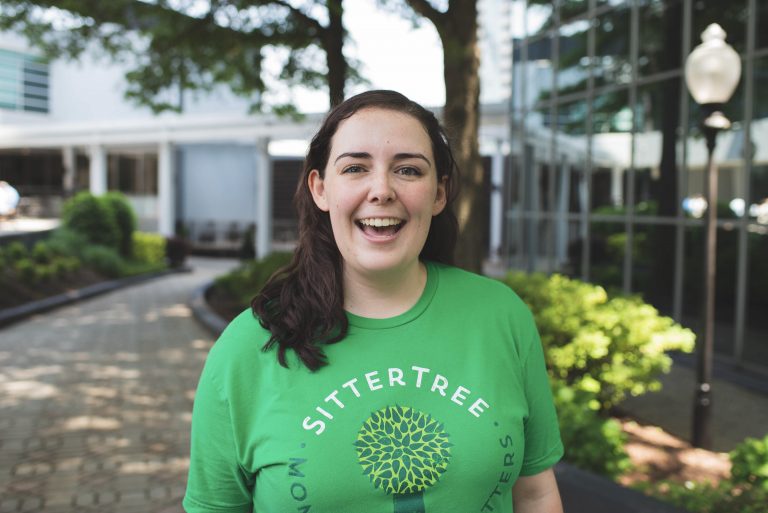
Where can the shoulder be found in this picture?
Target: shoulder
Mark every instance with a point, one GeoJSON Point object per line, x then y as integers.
{"type": "Point", "coordinates": [239, 344]}
{"type": "Point", "coordinates": [473, 289]}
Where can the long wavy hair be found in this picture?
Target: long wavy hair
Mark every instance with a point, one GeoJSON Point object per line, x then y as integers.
{"type": "Point", "coordinates": [302, 304]}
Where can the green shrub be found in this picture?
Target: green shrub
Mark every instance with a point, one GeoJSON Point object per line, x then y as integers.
{"type": "Point", "coordinates": [25, 268]}
{"type": "Point", "coordinates": [244, 282]}
{"type": "Point", "coordinates": [591, 442]}
{"type": "Point", "coordinates": [750, 463]}
{"type": "Point", "coordinates": [64, 265]}
{"type": "Point", "coordinates": [148, 248]}
{"type": "Point", "coordinates": [15, 251]}
{"type": "Point", "coordinates": [606, 347]}
{"type": "Point", "coordinates": [66, 242]}
{"type": "Point", "coordinates": [124, 217]}
{"type": "Point", "coordinates": [91, 217]}
{"type": "Point", "coordinates": [42, 253]}
{"type": "Point", "coordinates": [706, 497]}
{"type": "Point", "coordinates": [103, 260]}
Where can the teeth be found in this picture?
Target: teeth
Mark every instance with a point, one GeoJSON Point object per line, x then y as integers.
{"type": "Point", "coordinates": [380, 221]}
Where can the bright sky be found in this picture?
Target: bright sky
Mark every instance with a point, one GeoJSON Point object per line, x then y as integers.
{"type": "Point", "coordinates": [394, 55]}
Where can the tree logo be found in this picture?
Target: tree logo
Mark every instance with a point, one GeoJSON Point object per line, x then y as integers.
{"type": "Point", "coordinates": [403, 451]}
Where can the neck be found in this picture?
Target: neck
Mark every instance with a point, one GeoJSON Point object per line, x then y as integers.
{"type": "Point", "coordinates": [386, 294]}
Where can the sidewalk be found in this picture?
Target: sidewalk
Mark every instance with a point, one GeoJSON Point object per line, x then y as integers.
{"type": "Point", "coordinates": [95, 400]}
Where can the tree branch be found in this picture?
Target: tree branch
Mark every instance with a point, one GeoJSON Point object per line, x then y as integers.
{"type": "Point", "coordinates": [424, 8]}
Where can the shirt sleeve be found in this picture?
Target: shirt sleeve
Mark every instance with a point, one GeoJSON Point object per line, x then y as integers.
{"type": "Point", "coordinates": [216, 482]}
{"type": "Point", "coordinates": [543, 446]}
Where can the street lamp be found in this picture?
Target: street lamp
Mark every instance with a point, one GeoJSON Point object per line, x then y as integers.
{"type": "Point", "coordinates": [712, 72]}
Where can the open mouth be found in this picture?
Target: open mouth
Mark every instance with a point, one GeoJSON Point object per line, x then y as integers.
{"type": "Point", "coordinates": [380, 226]}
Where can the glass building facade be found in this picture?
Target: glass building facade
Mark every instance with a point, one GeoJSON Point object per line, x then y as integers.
{"type": "Point", "coordinates": [607, 168]}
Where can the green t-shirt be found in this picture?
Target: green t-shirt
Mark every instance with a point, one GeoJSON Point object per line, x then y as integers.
{"type": "Point", "coordinates": [437, 410]}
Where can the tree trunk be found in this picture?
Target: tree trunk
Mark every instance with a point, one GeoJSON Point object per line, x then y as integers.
{"type": "Point", "coordinates": [409, 502]}
{"type": "Point", "coordinates": [461, 118]}
{"type": "Point", "coordinates": [333, 41]}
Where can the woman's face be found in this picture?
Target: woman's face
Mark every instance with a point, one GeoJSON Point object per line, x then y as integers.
{"type": "Point", "coordinates": [381, 190]}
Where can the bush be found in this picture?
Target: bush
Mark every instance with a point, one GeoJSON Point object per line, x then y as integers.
{"type": "Point", "coordinates": [244, 282]}
{"type": "Point", "coordinates": [148, 248]}
{"type": "Point", "coordinates": [41, 253]}
{"type": "Point", "coordinates": [25, 268]}
{"type": "Point", "coordinates": [591, 442]}
{"type": "Point", "coordinates": [91, 217]}
{"type": "Point", "coordinates": [125, 219]}
{"type": "Point", "coordinates": [65, 242]}
{"type": "Point", "coordinates": [706, 497]}
{"type": "Point", "coordinates": [15, 251]}
{"type": "Point", "coordinates": [103, 260]}
{"type": "Point", "coordinates": [606, 348]}
{"type": "Point", "coordinates": [750, 463]}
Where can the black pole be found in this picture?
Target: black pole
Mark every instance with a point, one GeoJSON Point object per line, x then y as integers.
{"type": "Point", "coordinates": [714, 121]}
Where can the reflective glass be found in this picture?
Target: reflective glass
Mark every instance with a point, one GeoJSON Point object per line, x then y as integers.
{"type": "Point", "coordinates": [655, 148]}
{"type": "Point", "coordinates": [732, 15]}
{"type": "Point", "coordinates": [756, 332]}
{"type": "Point", "coordinates": [537, 72]}
{"type": "Point", "coordinates": [653, 268]}
{"type": "Point", "coordinates": [573, 61]}
{"type": "Point", "coordinates": [693, 285]}
{"type": "Point", "coordinates": [660, 29]}
{"type": "Point", "coordinates": [539, 17]}
{"type": "Point", "coordinates": [612, 65]}
{"type": "Point", "coordinates": [607, 254]}
{"type": "Point", "coordinates": [612, 114]}
{"type": "Point", "coordinates": [572, 126]}
{"type": "Point", "coordinates": [761, 20]}
{"type": "Point", "coordinates": [572, 9]}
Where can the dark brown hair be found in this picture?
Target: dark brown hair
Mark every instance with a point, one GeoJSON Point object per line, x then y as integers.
{"type": "Point", "coordinates": [302, 305]}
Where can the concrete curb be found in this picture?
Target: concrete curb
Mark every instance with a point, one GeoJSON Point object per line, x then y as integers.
{"type": "Point", "coordinates": [585, 492]}
{"type": "Point", "coordinates": [17, 313]}
{"type": "Point", "coordinates": [582, 491]}
{"type": "Point", "coordinates": [205, 315]}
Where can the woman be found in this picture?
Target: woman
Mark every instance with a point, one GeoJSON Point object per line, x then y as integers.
{"type": "Point", "coordinates": [371, 376]}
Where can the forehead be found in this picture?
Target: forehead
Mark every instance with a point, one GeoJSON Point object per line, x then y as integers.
{"type": "Point", "coordinates": [380, 129]}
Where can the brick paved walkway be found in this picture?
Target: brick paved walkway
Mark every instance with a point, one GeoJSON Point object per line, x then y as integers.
{"type": "Point", "coordinates": [95, 400]}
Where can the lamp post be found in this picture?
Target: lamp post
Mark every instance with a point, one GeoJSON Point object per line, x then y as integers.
{"type": "Point", "coordinates": [712, 72]}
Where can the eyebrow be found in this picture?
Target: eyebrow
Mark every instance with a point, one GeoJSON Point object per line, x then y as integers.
{"type": "Point", "coordinates": [398, 156]}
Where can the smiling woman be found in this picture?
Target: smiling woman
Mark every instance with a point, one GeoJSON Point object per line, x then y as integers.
{"type": "Point", "coordinates": [417, 383]}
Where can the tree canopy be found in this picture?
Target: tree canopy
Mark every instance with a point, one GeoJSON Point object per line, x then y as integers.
{"type": "Point", "coordinates": [173, 46]}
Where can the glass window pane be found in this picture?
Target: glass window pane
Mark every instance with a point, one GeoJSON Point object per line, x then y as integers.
{"type": "Point", "coordinates": [732, 15]}
{"type": "Point", "coordinates": [539, 17]}
{"type": "Point", "coordinates": [761, 20]}
{"type": "Point", "coordinates": [655, 148]}
{"type": "Point", "coordinates": [756, 332]}
{"type": "Point", "coordinates": [612, 64]}
{"type": "Point", "coordinates": [537, 72]}
{"type": "Point", "coordinates": [573, 62]}
{"type": "Point", "coordinates": [573, 8]}
{"type": "Point", "coordinates": [660, 30]}
{"type": "Point", "coordinates": [653, 268]}
{"type": "Point", "coordinates": [607, 254]}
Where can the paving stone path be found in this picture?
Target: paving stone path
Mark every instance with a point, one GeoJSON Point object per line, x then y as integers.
{"type": "Point", "coordinates": [96, 398]}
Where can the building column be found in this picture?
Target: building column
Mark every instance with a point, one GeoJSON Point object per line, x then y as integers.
{"type": "Point", "coordinates": [68, 160]}
{"type": "Point", "coordinates": [263, 199]}
{"type": "Point", "coordinates": [166, 194]}
{"type": "Point", "coordinates": [98, 170]}
{"type": "Point", "coordinates": [497, 203]}
{"type": "Point", "coordinates": [617, 186]}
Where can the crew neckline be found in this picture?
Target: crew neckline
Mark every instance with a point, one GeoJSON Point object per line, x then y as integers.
{"type": "Point", "coordinates": [409, 315]}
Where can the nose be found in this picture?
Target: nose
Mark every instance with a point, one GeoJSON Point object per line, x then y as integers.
{"type": "Point", "coordinates": [381, 189]}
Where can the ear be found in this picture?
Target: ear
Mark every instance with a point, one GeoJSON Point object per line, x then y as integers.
{"type": "Point", "coordinates": [317, 188]}
{"type": "Point", "coordinates": [441, 198]}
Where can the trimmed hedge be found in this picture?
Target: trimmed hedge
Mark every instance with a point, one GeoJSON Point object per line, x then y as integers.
{"type": "Point", "coordinates": [91, 217]}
